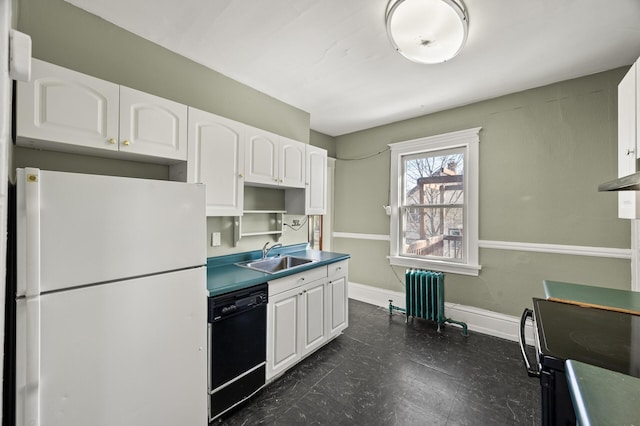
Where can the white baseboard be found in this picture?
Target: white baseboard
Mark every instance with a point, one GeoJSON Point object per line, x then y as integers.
{"type": "Point", "coordinates": [477, 319]}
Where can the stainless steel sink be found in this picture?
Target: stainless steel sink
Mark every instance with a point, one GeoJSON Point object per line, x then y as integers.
{"type": "Point", "coordinates": [272, 265]}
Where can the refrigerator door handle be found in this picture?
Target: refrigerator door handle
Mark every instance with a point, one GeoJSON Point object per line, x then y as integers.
{"type": "Point", "coordinates": [32, 296]}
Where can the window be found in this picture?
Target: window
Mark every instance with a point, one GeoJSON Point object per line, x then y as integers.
{"type": "Point", "coordinates": [434, 200]}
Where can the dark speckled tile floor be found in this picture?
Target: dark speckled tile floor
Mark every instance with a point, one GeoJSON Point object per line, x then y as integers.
{"type": "Point", "coordinates": [381, 371]}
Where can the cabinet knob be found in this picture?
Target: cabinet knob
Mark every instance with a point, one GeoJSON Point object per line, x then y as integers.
{"type": "Point", "coordinates": [629, 151]}
{"type": "Point", "coordinates": [241, 175]}
{"type": "Point", "coordinates": [126, 142]}
{"type": "Point", "coordinates": [112, 141]}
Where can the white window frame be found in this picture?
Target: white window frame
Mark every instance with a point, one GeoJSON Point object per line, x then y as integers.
{"type": "Point", "coordinates": [469, 140]}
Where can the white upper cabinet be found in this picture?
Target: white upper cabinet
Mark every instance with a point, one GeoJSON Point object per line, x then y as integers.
{"type": "Point", "coordinates": [216, 158]}
{"type": "Point", "coordinates": [151, 125]}
{"type": "Point", "coordinates": [64, 110]}
{"type": "Point", "coordinates": [628, 136]}
{"type": "Point", "coordinates": [292, 163]}
{"type": "Point", "coordinates": [312, 200]}
{"type": "Point", "coordinates": [316, 184]}
{"type": "Point", "coordinates": [273, 160]}
{"type": "Point", "coordinates": [261, 157]}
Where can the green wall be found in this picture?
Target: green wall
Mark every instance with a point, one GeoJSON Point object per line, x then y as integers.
{"type": "Point", "coordinates": [323, 141]}
{"type": "Point", "coordinates": [543, 153]}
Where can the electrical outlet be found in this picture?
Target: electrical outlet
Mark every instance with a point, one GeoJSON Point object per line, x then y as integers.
{"type": "Point", "coordinates": [296, 222]}
{"type": "Point", "coordinates": [215, 239]}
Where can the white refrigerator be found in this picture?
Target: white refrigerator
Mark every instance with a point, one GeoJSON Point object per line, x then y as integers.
{"type": "Point", "coordinates": [111, 301]}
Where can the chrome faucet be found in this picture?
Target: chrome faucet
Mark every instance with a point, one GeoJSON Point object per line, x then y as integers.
{"type": "Point", "coordinates": [265, 250]}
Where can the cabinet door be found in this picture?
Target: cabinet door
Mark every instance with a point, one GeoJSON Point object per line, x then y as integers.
{"type": "Point", "coordinates": [316, 184]}
{"type": "Point", "coordinates": [283, 343]}
{"type": "Point", "coordinates": [216, 158]}
{"type": "Point", "coordinates": [65, 110]}
{"type": "Point", "coordinates": [292, 163]}
{"type": "Point", "coordinates": [628, 202]}
{"type": "Point", "coordinates": [338, 305]}
{"type": "Point", "coordinates": [337, 297]}
{"type": "Point", "coordinates": [153, 126]}
{"type": "Point", "coordinates": [314, 308]}
{"type": "Point", "coordinates": [261, 157]}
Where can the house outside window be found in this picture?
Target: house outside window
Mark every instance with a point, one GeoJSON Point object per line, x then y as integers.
{"type": "Point", "coordinates": [434, 200]}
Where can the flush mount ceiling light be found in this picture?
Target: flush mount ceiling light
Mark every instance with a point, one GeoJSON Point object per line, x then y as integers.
{"type": "Point", "coordinates": [427, 31]}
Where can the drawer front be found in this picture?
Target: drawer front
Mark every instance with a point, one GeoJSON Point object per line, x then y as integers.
{"type": "Point", "coordinates": [296, 280]}
{"type": "Point", "coordinates": [337, 269]}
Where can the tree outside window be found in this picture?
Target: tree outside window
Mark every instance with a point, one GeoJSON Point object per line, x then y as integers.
{"type": "Point", "coordinates": [433, 205]}
{"type": "Point", "coordinates": [434, 202]}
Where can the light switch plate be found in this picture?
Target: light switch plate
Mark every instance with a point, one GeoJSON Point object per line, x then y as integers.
{"type": "Point", "coordinates": [215, 239]}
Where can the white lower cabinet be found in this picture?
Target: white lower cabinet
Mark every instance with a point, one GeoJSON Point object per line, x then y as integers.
{"type": "Point", "coordinates": [283, 338]}
{"type": "Point", "coordinates": [337, 298]}
{"type": "Point", "coordinates": [312, 314]}
{"type": "Point", "coordinates": [305, 311]}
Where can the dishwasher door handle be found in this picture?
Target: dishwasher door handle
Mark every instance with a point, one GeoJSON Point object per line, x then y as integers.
{"type": "Point", "coordinates": [528, 313]}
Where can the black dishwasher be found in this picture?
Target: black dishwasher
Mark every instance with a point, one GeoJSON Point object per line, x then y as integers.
{"type": "Point", "coordinates": [237, 347]}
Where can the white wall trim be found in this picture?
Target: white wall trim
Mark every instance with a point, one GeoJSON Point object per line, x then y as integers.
{"type": "Point", "coordinates": [615, 253]}
{"type": "Point", "coordinates": [478, 320]}
{"type": "Point", "coordinates": [353, 235]}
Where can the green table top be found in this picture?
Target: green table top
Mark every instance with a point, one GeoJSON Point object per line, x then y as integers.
{"type": "Point", "coordinates": [598, 297]}
{"type": "Point", "coordinates": [603, 397]}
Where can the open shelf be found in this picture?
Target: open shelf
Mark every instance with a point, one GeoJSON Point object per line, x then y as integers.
{"type": "Point", "coordinates": [274, 225]}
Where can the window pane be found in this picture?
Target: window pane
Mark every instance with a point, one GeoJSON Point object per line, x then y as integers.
{"type": "Point", "coordinates": [434, 232]}
{"type": "Point", "coordinates": [434, 178]}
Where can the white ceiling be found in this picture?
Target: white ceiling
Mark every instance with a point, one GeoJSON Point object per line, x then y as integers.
{"type": "Point", "coordinates": [332, 58]}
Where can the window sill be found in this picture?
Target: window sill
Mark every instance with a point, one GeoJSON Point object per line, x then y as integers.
{"type": "Point", "coordinates": [435, 265]}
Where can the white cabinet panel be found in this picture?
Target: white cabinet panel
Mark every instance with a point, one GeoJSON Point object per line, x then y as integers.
{"type": "Point", "coordinates": [292, 163]}
{"type": "Point", "coordinates": [150, 125]}
{"type": "Point", "coordinates": [283, 337]}
{"type": "Point", "coordinates": [312, 200]}
{"type": "Point", "coordinates": [273, 160]}
{"type": "Point", "coordinates": [628, 128]}
{"type": "Point", "coordinates": [338, 298]}
{"type": "Point", "coordinates": [313, 313]}
{"type": "Point", "coordinates": [216, 158]}
{"type": "Point", "coordinates": [316, 193]}
{"type": "Point", "coordinates": [66, 109]}
{"type": "Point", "coordinates": [262, 158]}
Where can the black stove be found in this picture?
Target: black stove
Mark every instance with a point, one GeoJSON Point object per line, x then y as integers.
{"type": "Point", "coordinates": [564, 331]}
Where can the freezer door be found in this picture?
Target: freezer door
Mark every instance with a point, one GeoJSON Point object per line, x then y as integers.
{"type": "Point", "coordinates": [126, 353]}
{"type": "Point", "coordinates": [76, 229]}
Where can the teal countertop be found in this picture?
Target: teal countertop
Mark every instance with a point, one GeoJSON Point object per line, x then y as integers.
{"type": "Point", "coordinates": [603, 397]}
{"type": "Point", "coordinates": [223, 276]}
{"type": "Point", "coordinates": [591, 296]}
